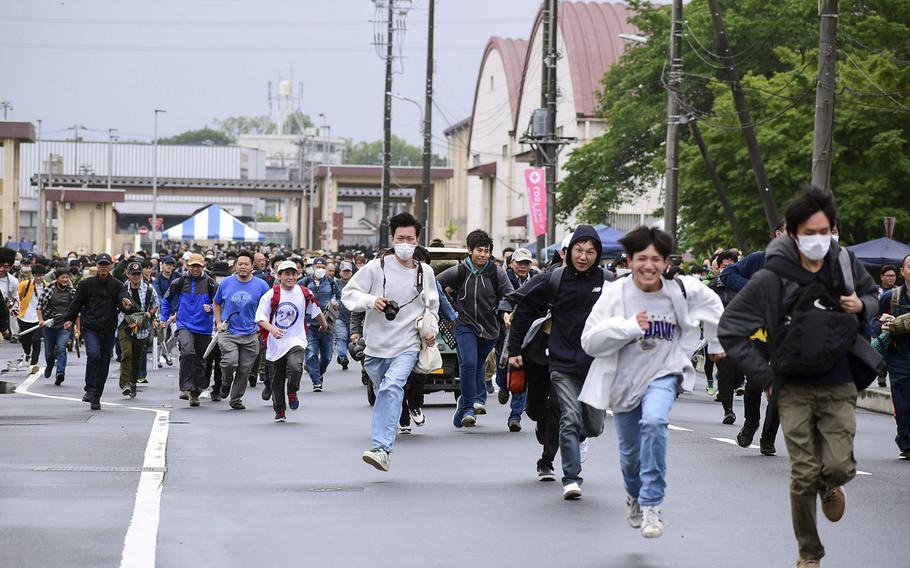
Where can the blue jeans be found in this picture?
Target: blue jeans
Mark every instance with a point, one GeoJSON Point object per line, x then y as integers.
{"type": "Point", "coordinates": [519, 401]}
{"type": "Point", "coordinates": [55, 340]}
{"type": "Point", "coordinates": [577, 422]}
{"type": "Point", "coordinates": [642, 436]}
{"type": "Point", "coordinates": [99, 348]}
{"type": "Point", "coordinates": [342, 337]}
{"type": "Point", "coordinates": [388, 377]}
{"type": "Point", "coordinates": [472, 356]}
{"type": "Point", "coordinates": [318, 353]}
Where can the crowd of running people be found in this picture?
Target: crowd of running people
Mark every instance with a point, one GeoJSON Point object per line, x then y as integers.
{"type": "Point", "coordinates": [802, 325]}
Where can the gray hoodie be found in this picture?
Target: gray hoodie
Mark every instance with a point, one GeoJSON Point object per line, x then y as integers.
{"type": "Point", "coordinates": [477, 296]}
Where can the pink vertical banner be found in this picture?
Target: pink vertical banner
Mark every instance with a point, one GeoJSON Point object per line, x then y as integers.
{"type": "Point", "coordinates": [535, 178]}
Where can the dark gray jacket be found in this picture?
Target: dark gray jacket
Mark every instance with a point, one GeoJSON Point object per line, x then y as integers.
{"type": "Point", "coordinates": [477, 296]}
{"type": "Point", "coordinates": [760, 305]}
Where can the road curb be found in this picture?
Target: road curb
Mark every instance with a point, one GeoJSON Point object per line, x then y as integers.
{"type": "Point", "coordinates": [875, 399]}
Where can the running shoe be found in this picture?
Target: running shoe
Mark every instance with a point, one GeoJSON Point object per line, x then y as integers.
{"type": "Point", "coordinates": [652, 524]}
{"type": "Point", "coordinates": [633, 512]}
{"type": "Point", "coordinates": [317, 388]}
{"type": "Point", "coordinates": [479, 409]}
{"type": "Point", "coordinates": [378, 458]}
{"type": "Point", "coordinates": [47, 371]}
{"type": "Point", "coordinates": [60, 378]}
{"type": "Point", "coordinates": [729, 418]}
{"type": "Point", "coordinates": [418, 417]}
{"type": "Point", "coordinates": [237, 406]}
{"type": "Point", "coordinates": [711, 390]}
{"type": "Point", "coordinates": [545, 472]}
{"type": "Point", "coordinates": [266, 391]}
{"type": "Point", "coordinates": [503, 396]}
{"type": "Point", "coordinates": [293, 401]}
{"type": "Point", "coordinates": [279, 417]}
{"type": "Point", "coordinates": [514, 425]}
{"type": "Point", "coordinates": [571, 491]}
{"type": "Point", "coordinates": [404, 429]}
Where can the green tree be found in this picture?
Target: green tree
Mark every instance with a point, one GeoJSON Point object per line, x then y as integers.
{"type": "Point", "coordinates": [206, 136]}
{"type": "Point", "coordinates": [776, 47]}
{"type": "Point", "coordinates": [296, 122]}
{"type": "Point", "coordinates": [234, 126]}
{"type": "Point", "coordinates": [370, 153]}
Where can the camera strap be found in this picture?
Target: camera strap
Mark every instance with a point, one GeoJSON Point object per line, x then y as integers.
{"type": "Point", "coordinates": [418, 285]}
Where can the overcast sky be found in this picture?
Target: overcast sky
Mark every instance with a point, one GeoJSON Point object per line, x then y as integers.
{"type": "Point", "coordinates": [109, 63]}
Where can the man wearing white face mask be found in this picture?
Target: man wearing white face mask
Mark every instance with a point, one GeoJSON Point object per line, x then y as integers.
{"type": "Point", "coordinates": [393, 290]}
{"type": "Point", "coordinates": [815, 300]}
{"type": "Point", "coordinates": [319, 343]}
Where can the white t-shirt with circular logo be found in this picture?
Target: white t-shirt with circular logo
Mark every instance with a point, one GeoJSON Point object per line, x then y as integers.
{"type": "Point", "coordinates": [288, 317]}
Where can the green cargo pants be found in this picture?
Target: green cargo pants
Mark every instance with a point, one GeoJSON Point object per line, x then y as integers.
{"type": "Point", "coordinates": [819, 424]}
{"type": "Point", "coordinates": [131, 351]}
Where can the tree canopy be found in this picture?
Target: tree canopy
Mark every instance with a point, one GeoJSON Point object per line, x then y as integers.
{"type": "Point", "coordinates": [775, 45]}
{"type": "Point", "coordinates": [370, 153]}
{"type": "Point", "coordinates": [207, 136]}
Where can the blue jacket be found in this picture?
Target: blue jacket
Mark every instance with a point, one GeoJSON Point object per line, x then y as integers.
{"type": "Point", "coordinates": [325, 292]}
{"type": "Point", "coordinates": [736, 276]}
{"type": "Point", "coordinates": [161, 283]}
{"type": "Point", "coordinates": [186, 298]}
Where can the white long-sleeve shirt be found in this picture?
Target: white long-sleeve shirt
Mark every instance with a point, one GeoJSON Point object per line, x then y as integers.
{"type": "Point", "coordinates": [384, 338]}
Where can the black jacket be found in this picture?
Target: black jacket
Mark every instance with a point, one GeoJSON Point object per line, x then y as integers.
{"type": "Point", "coordinates": [477, 296]}
{"type": "Point", "coordinates": [97, 301]}
{"type": "Point", "coordinates": [575, 297]}
{"type": "Point", "coordinates": [760, 305]}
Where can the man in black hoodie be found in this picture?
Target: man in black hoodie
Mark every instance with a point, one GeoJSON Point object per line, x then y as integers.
{"type": "Point", "coordinates": [568, 293]}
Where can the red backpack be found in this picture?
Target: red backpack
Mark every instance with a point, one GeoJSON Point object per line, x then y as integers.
{"type": "Point", "coordinates": [308, 298]}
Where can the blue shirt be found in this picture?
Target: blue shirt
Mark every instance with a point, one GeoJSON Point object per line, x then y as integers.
{"type": "Point", "coordinates": [238, 301]}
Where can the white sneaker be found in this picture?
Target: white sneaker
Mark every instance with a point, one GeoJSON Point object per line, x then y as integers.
{"type": "Point", "coordinates": [418, 417]}
{"type": "Point", "coordinates": [571, 491]}
{"type": "Point", "coordinates": [479, 409]}
{"type": "Point", "coordinates": [633, 512]}
{"type": "Point", "coordinates": [583, 450]}
{"type": "Point", "coordinates": [652, 522]}
{"type": "Point", "coordinates": [161, 361]}
{"type": "Point", "coordinates": [378, 458]}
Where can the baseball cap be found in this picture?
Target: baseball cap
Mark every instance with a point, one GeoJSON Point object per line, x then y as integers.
{"type": "Point", "coordinates": [319, 260]}
{"type": "Point", "coordinates": [103, 258]}
{"type": "Point", "coordinates": [286, 264]}
{"type": "Point", "coordinates": [168, 260]}
{"type": "Point", "coordinates": [347, 266]}
{"type": "Point", "coordinates": [187, 255]}
{"type": "Point", "coordinates": [195, 259]}
{"type": "Point", "coordinates": [134, 268]}
{"type": "Point", "coordinates": [522, 255]}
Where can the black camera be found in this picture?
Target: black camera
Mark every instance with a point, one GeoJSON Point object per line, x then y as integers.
{"type": "Point", "coordinates": [391, 310]}
{"type": "Point", "coordinates": [356, 350]}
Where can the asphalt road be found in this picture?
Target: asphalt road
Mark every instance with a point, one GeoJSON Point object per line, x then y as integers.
{"type": "Point", "coordinates": [240, 490]}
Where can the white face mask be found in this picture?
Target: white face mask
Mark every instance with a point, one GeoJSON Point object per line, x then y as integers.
{"type": "Point", "coordinates": [319, 273]}
{"type": "Point", "coordinates": [814, 247]}
{"type": "Point", "coordinates": [404, 251]}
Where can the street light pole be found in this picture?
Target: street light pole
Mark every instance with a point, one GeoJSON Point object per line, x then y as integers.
{"type": "Point", "coordinates": [428, 127]}
{"type": "Point", "coordinates": [328, 164]}
{"type": "Point", "coordinates": [671, 175]}
{"type": "Point", "coordinates": [42, 206]}
{"type": "Point", "coordinates": [155, 186]}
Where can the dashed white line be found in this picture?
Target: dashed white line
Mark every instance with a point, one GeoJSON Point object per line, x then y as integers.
{"type": "Point", "coordinates": [733, 442]}
{"type": "Point", "coordinates": [678, 428]}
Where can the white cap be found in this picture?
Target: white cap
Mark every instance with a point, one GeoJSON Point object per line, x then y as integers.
{"type": "Point", "coordinates": [186, 255]}
{"type": "Point", "coordinates": [566, 241]}
{"type": "Point", "coordinates": [285, 264]}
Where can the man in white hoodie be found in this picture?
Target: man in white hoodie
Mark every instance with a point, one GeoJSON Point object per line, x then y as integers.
{"type": "Point", "coordinates": [642, 334]}
{"type": "Point", "coordinates": [393, 290]}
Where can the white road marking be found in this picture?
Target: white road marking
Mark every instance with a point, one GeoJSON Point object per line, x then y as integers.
{"type": "Point", "coordinates": [678, 428]}
{"type": "Point", "coordinates": [141, 542]}
{"type": "Point", "coordinates": [733, 442]}
{"type": "Point", "coordinates": [861, 472]}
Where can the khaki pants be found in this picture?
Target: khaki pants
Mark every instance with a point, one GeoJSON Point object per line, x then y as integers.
{"type": "Point", "coordinates": [819, 424]}
{"type": "Point", "coordinates": [131, 352]}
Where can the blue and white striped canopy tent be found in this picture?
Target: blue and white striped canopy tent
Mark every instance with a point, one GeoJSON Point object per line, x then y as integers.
{"type": "Point", "coordinates": [212, 223]}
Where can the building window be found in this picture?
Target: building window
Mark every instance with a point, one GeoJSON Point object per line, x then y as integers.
{"type": "Point", "coordinates": [505, 150]}
{"type": "Point", "coordinates": [348, 210]}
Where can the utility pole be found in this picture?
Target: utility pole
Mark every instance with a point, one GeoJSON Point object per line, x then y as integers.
{"type": "Point", "coordinates": [543, 241]}
{"type": "Point", "coordinates": [75, 128]}
{"type": "Point", "coordinates": [111, 138]}
{"type": "Point", "coordinates": [745, 120]}
{"type": "Point", "coordinates": [384, 202]}
{"type": "Point", "coordinates": [718, 184]}
{"type": "Point", "coordinates": [428, 127]}
{"type": "Point", "coordinates": [6, 106]}
{"type": "Point", "coordinates": [671, 183]}
{"type": "Point", "coordinates": [823, 138]}
{"type": "Point", "coordinates": [155, 185]}
{"type": "Point", "coordinates": [42, 205]}
{"type": "Point", "coordinates": [552, 146]}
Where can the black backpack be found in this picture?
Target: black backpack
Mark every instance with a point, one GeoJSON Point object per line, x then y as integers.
{"type": "Point", "coordinates": [815, 333]}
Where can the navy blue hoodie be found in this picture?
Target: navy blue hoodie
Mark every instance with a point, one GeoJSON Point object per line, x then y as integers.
{"type": "Point", "coordinates": [571, 306]}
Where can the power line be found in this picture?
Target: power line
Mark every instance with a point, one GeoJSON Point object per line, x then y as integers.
{"type": "Point", "coordinates": [874, 84]}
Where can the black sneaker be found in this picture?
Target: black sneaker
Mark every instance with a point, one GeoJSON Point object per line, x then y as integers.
{"type": "Point", "coordinates": [96, 403]}
{"type": "Point", "coordinates": [126, 392]}
{"type": "Point", "coordinates": [503, 396]}
{"type": "Point", "coordinates": [237, 406]}
{"type": "Point", "coordinates": [514, 425]}
{"type": "Point", "coordinates": [225, 391]}
{"type": "Point", "coordinates": [746, 434]}
{"type": "Point", "coordinates": [729, 418]}
{"type": "Point", "coordinates": [280, 417]}
{"type": "Point", "coordinates": [216, 395]}
{"type": "Point", "coordinates": [133, 391]}
{"type": "Point", "coordinates": [60, 378]}
{"type": "Point", "coordinates": [317, 388]}
{"type": "Point", "coordinates": [767, 449]}
{"type": "Point", "coordinates": [344, 363]}
{"type": "Point", "coordinates": [266, 391]}
{"type": "Point", "coordinates": [545, 472]}
{"type": "Point", "coordinates": [87, 397]}
{"type": "Point", "coordinates": [252, 381]}
{"type": "Point", "coordinates": [47, 371]}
